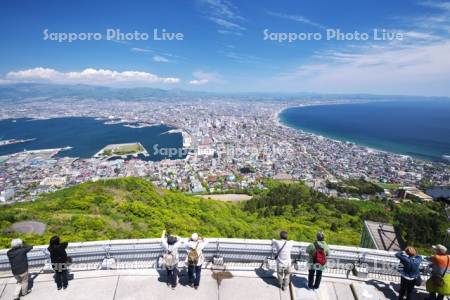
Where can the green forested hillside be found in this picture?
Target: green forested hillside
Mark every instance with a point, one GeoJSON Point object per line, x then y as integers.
{"type": "Point", "coordinates": [419, 224]}
{"type": "Point", "coordinates": [356, 187]}
{"type": "Point", "coordinates": [134, 208]}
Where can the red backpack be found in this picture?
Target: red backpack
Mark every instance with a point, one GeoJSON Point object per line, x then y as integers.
{"type": "Point", "coordinates": [319, 257]}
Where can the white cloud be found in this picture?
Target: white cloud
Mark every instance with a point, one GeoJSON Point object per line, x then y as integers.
{"type": "Point", "coordinates": [296, 18]}
{"type": "Point", "coordinates": [3, 81]}
{"type": "Point", "coordinates": [242, 58]}
{"type": "Point", "coordinates": [419, 69]}
{"type": "Point", "coordinates": [159, 58]}
{"type": "Point", "coordinates": [419, 64]}
{"type": "Point", "coordinates": [36, 73]}
{"type": "Point", "coordinates": [443, 5]}
{"type": "Point", "coordinates": [89, 76]}
{"type": "Point", "coordinates": [202, 77]}
{"type": "Point", "coordinates": [416, 35]}
{"type": "Point", "coordinates": [224, 14]}
{"type": "Point", "coordinates": [198, 81]}
{"type": "Point", "coordinates": [436, 20]}
{"type": "Point", "coordinates": [136, 49]}
{"type": "Point", "coordinates": [226, 24]}
{"type": "Point", "coordinates": [222, 8]}
{"type": "Point", "coordinates": [229, 32]}
{"type": "Point", "coordinates": [158, 54]}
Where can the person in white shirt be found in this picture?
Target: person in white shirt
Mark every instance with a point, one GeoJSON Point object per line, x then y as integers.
{"type": "Point", "coordinates": [282, 251]}
{"type": "Point", "coordinates": [195, 258]}
{"type": "Point", "coordinates": [170, 245]}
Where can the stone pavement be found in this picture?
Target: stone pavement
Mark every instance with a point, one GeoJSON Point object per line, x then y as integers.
{"type": "Point", "coordinates": [222, 285]}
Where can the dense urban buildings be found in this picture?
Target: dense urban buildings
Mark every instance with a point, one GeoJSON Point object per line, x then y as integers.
{"type": "Point", "coordinates": [228, 144]}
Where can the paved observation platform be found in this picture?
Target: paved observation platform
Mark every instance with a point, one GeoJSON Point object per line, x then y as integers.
{"type": "Point", "coordinates": [221, 285]}
{"type": "Point", "coordinates": [127, 269]}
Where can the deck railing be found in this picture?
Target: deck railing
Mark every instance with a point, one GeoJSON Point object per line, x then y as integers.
{"type": "Point", "coordinates": [229, 253]}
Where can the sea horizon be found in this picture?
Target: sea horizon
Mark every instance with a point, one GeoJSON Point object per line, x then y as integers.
{"type": "Point", "coordinates": [285, 118]}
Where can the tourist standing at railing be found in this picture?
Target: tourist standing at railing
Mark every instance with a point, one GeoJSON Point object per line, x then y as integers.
{"type": "Point", "coordinates": [18, 260]}
{"type": "Point", "coordinates": [170, 245]}
{"type": "Point", "coordinates": [60, 261]}
{"type": "Point", "coordinates": [439, 283]}
{"type": "Point", "coordinates": [318, 253]}
{"type": "Point", "coordinates": [195, 258]}
{"type": "Point", "coordinates": [409, 271]}
{"type": "Point", "coordinates": [282, 250]}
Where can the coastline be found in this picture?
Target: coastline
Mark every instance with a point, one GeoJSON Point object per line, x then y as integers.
{"type": "Point", "coordinates": [276, 114]}
{"type": "Point", "coordinates": [185, 138]}
{"type": "Point", "coordinates": [279, 122]}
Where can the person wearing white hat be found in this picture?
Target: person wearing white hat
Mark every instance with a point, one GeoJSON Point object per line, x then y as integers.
{"type": "Point", "coordinates": [195, 258]}
{"type": "Point", "coordinates": [439, 283]}
{"type": "Point", "coordinates": [18, 260]}
{"type": "Point", "coordinates": [439, 249]}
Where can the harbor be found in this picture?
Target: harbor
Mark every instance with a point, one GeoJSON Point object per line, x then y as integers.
{"type": "Point", "coordinates": [15, 141]}
{"type": "Point", "coordinates": [122, 150]}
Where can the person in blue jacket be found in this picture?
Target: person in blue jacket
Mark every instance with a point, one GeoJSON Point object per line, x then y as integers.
{"type": "Point", "coordinates": [409, 271]}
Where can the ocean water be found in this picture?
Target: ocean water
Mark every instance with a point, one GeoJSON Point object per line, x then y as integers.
{"type": "Point", "coordinates": [417, 128]}
{"type": "Point", "coordinates": [86, 135]}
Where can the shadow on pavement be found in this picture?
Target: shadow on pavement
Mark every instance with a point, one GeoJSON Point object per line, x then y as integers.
{"type": "Point", "coordinates": [267, 277]}
{"type": "Point", "coordinates": [388, 289]}
{"type": "Point", "coordinates": [299, 282]}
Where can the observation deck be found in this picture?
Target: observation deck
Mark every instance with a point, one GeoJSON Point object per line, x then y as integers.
{"type": "Point", "coordinates": [128, 269]}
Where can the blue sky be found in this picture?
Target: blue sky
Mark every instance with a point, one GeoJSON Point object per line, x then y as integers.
{"type": "Point", "coordinates": [224, 46]}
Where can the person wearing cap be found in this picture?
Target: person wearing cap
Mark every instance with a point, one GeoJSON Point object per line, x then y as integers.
{"type": "Point", "coordinates": [170, 245]}
{"type": "Point", "coordinates": [195, 258]}
{"type": "Point", "coordinates": [18, 260]}
{"type": "Point", "coordinates": [440, 264]}
{"type": "Point", "coordinates": [409, 271]}
{"type": "Point", "coordinates": [282, 250]}
{"type": "Point", "coordinates": [318, 252]}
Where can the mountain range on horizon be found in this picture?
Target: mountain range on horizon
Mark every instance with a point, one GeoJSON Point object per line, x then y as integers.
{"type": "Point", "coordinates": [20, 91]}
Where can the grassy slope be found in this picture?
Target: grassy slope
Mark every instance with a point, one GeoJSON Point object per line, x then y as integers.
{"type": "Point", "coordinates": [124, 208]}
{"type": "Point", "coordinates": [134, 208]}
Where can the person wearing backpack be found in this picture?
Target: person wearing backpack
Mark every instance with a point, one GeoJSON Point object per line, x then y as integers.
{"type": "Point", "coordinates": [439, 283]}
{"type": "Point", "coordinates": [195, 258]}
{"type": "Point", "coordinates": [170, 245]}
{"type": "Point", "coordinates": [318, 253]}
{"type": "Point", "coordinates": [409, 271]}
{"type": "Point", "coordinates": [282, 251]}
